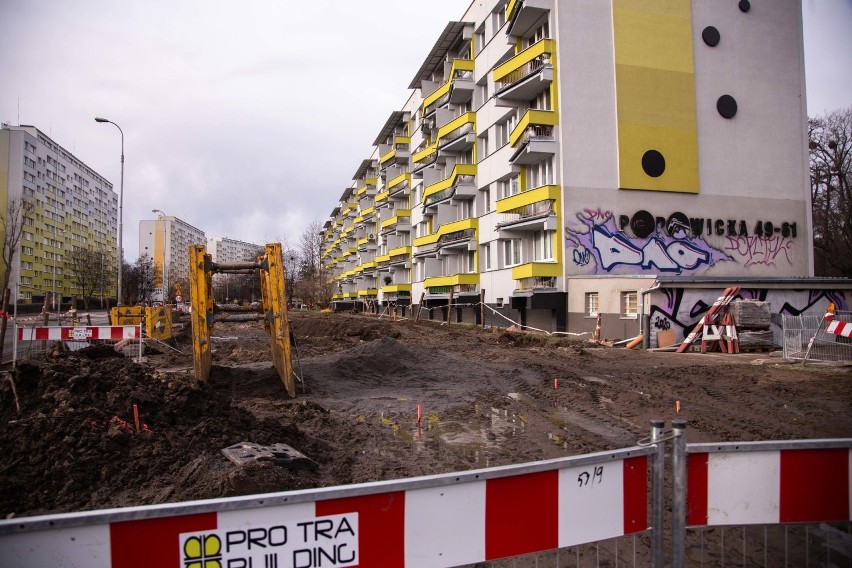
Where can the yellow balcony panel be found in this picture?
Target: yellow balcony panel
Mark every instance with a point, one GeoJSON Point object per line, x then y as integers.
{"type": "Point", "coordinates": [351, 250]}
{"type": "Point", "coordinates": [453, 280]}
{"type": "Point", "coordinates": [368, 211]}
{"type": "Point", "coordinates": [348, 295]}
{"type": "Point", "coordinates": [382, 258]}
{"type": "Point", "coordinates": [368, 265]}
{"type": "Point", "coordinates": [396, 288]}
{"type": "Point", "coordinates": [361, 191]}
{"type": "Point", "coordinates": [426, 240]}
{"type": "Point", "coordinates": [537, 49]}
{"type": "Point", "coordinates": [457, 66]}
{"type": "Point", "coordinates": [533, 116]}
{"type": "Point", "coordinates": [510, 8]}
{"type": "Point", "coordinates": [399, 250]}
{"type": "Point", "coordinates": [424, 154]}
{"type": "Point", "coordinates": [542, 193]}
{"type": "Point", "coordinates": [458, 170]}
{"type": "Point", "coordinates": [359, 219]}
{"type": "Point", "coordinates": [399, 180]}
{"type": "Point", "coordinates": [387, 157]}
{"type": "Point", "coordinates": [362, 241]}
{"type": "Point", "coordinates": [404, 213]}
{"type": "Point", "coordinates": [383, 196]}
{"type": "Point", "coordinates": [368, 292]}
{"type": "Point", "coordinates": [537, 269]}
{"type": "Point", "coordinates": [456, 123]}
{"type": "Point", "coordinates": [402, 139]}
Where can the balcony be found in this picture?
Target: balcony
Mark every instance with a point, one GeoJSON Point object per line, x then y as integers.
{"type": "Point", "coordinates": [399, 222]}
{"type": "Point", "coordinates": [422, 244]}
{"type": "Point", "coordinates": [462, 178]}
{"type": "Point", "coordinates": [543, 193]}
{"type": "Point", "coordinates": [459, 86]}
{"type": "Point", "coordinates": [400, 183]}
{"type": "Point", "coordinates": [542, 270]}
{"type": "Point", "coordinates": [456, 283]}
{"type": "Point", "coordinates": [527, 74]}
{"type": "Point", "coordinates": [536, 144]}
{"type": "Point", "coordinates": [526, 15]}
{"type": "Point", "coordinates": [396, 154]}
{"type": "Point", "coordinates": [533, 117]}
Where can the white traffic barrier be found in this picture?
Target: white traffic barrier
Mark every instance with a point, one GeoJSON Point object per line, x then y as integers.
{"type": "Point", "coordinates": [435, 521]}
{"type": "Point", "coordinates": [78, 333]}
{"type": "Point", "coordinates": [745, 483]}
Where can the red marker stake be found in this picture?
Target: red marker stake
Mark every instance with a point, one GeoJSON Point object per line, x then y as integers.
{"type": "Point", "coordinates": [419, 413]}
{"type": "Point", "coordinates": [136, 417]}
{"type": "Point", "coordinates": [555, 383]}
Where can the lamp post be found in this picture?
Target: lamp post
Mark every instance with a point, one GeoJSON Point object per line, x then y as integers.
{"type": "Point", "coordinates": [165, 269]}
{"type": "Point", "coordinates": [120, 255]}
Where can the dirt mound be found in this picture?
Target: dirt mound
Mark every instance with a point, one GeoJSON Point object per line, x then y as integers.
{"type": "Point", "coordinates": [485, 398]}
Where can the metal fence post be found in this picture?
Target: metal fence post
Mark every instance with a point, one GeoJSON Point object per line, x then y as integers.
{"type": "Point", "coordinates": [657, 507]}
{"type": "Point", "coordinates": [679, 497]}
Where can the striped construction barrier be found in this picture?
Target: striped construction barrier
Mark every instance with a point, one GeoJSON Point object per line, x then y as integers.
{"type": "Point", "coordinates": [78, 333]}
{"type": "Point", "coordinates": [747, 483]}
{"type": "Point", "coordinates": [435, 521]}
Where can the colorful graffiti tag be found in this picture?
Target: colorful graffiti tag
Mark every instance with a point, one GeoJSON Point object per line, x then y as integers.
{"type": "Point", "coordinates": [680, 309]}
{"type": "Point", "coordinates": [599, 247]}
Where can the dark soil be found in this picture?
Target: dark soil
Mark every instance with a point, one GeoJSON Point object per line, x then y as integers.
{"type": "Point", "coordinates": [487, 399]}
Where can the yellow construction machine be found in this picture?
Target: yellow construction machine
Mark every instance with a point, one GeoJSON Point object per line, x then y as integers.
{"type": "Point", "coordinates": [204, 313]}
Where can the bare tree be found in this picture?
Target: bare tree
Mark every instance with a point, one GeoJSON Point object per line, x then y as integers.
{"type": "Point", "coordinates": [12, 224]}
{"type": "Point", "coordinates": [831, 179]}
{"type": "Point", "coordinates": [313, 285]}
{"type": "Point", "coordinates": [91, 270]}
{"type": "Point", "coordinates": [140, 278]}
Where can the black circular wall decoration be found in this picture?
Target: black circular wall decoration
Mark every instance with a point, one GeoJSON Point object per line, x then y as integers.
{"type": "Point", "coordinates": [711, 36]}
{"type": "Point", "coordinates": [653, 163]}
{"type": "Point", "coordinates": [727, 106]}
{"type": "Point", "coordinates": [745, 5]}
{"type": "Point", "coordinates": [642, 224]}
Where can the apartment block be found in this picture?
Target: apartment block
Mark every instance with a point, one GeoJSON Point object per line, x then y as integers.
{"type": "Point", "coordinates": [556, 158]}
{"type": "Point", "coordinates": [167, 240]}
{"type": "Point", "coordinates": [223, 249]}
{"type": "Point", "coordinates": [70, 208]}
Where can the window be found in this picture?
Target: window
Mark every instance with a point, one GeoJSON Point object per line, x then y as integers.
{"type": "Point", "coordinates": [509, 187]}
{"type": "Point", "coordinates": [482, 147]}
{"type": "Point", "coordinates": [543, 245]}
{"type": "Point", "coordinates": [486, 200]}
{"type": "Point", "coordinates": [591, 304]}
{"type": "Point", "coordinates": [499, 18]}
{"type": "Point", "coordinates": [512, 252]}
{"type": "Point", "coordinates": [630, 304]}
{"type": "Point", "coordinates": [485, 256]}
{"type": "Point", "coordinates": [469, 262]}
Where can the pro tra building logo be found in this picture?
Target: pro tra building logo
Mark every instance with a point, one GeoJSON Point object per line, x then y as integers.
{"type": "Point", "coordinates": [330, 541]}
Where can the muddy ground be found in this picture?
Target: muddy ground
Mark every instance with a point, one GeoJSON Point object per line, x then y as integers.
{"type": "Point", "coordinates": [487, 399]}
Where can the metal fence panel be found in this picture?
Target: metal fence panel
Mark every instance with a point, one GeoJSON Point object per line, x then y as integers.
{"type": "Point", "coordinates": [807, 337]}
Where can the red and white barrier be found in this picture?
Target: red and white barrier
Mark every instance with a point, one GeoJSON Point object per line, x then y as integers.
{"type": "Point", "coordinates": [841, 328]}
{"type": "Point", "coordinates": [79, 333]}
{"type": "Point", "coordinates": [769, 487]}
{"type": "Point", "coordinates": [439, 521]}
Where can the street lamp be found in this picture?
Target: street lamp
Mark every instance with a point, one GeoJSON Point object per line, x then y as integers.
{"type": "Point", "coordinates": [165, 269]}
{"type": "Point", "coordinates": [120, 213]}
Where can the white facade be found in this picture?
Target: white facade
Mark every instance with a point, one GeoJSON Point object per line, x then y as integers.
{"type": "Point", "coordinates": [223, 249]}
{"type": "Point", "coordinates": [74, 208]}
{"type": "Point", "coordinates": [553, 151]}
{"type": "Point", "coordinates": [167, 240]}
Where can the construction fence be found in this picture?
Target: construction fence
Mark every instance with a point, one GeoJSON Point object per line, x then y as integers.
{"type": "Point", "coordinates": [818, 338]}
{"type": "Point", "coordinates": [611, 508]}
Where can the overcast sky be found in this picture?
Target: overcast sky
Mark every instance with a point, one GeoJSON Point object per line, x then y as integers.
{"type": "Point", "coordinates": [248, 119]}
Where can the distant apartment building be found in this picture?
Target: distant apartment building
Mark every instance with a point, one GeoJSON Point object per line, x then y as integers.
{"type": "Point", "coordinates": [73, 208]}
{"type": "Point", "coordinates": [223, 249]}
{"type": "Point", "coordinates": [166, 241]}
{"type": "Point", "coordinates": [558, 157]}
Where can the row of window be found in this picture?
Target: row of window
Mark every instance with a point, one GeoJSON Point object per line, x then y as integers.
{"type": "Point", "coordinates": [629, 304]}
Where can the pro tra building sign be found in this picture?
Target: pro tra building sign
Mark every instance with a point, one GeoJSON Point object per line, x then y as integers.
{"type": "Point", "coordinates": [328, 541]}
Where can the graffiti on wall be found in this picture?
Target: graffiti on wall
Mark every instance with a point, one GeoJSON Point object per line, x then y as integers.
{"type": "Point", "coordinates": [681, 309]}
{"type": "Point", "coordinates": [600, 247]}
{"type": "Point", "coordinates": [601, 242]}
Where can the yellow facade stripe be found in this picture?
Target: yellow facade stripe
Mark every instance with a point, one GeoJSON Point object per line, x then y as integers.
{"type": "Point", "coordinates": [655, 94]}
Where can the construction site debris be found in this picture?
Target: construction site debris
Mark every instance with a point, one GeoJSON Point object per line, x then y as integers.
{"type": "Point", "coordinates": [750, 314]}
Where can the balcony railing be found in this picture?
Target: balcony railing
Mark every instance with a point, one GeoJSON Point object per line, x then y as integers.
{"type": "Point", "coordinates": [536, 282]}
{"type": "Point", "coordinates": [456, 236]}
{"type": "Point", "coordinates": [523, 72]}
{"type": "Point", "coordinates": [536, 131]}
